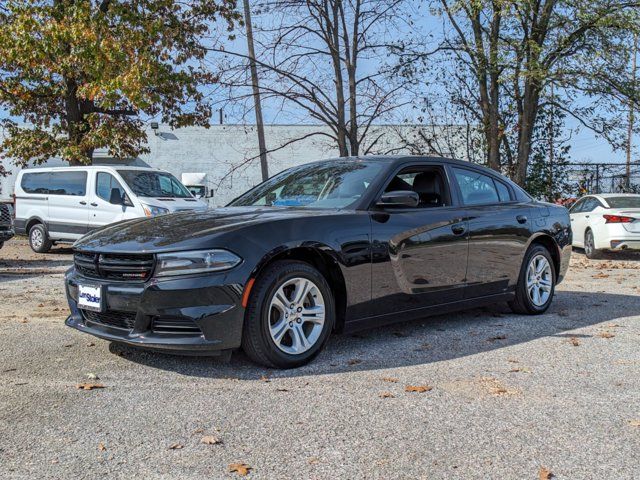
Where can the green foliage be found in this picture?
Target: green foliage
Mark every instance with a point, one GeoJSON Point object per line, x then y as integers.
{"type": "Point", "coordinates": [81, 73]}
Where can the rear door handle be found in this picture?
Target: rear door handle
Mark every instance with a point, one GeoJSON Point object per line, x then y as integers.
{"type": "Point", "coordinates": [94, 204]}
{"type": "Point", "coordinates": [458, 229]}
{"type": "Point", "coordinates": [521, 219]}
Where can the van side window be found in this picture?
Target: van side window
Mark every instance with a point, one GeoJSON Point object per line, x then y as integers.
{"type": "Point", "coordinates": [35, 182]}
{"type": "Point", "coordinates": [56, 183]}
{"type": "Point", "coordinates": [104, 183]}
{"type": "Point", "coordinates": [476, 188]}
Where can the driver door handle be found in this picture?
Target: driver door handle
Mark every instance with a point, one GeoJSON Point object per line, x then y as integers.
{"type": "Point", "coordinates": [83, 203]}
{"type": "Point", "coordinates": [458, 229]}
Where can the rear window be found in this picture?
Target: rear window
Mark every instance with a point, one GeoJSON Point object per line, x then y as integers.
{"type": "Point", "coordinates": [72, 183]}
{"type": "Point", "coordinates": [624, 202]}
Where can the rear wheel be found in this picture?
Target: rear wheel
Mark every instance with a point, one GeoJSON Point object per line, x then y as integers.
{"type": "Point", "coordinates": [289, 315]}
{"type": "Point", "coordinates": [590, 246]}
{"type": "Point", "coordinates": [536, 284]}
{"type": "Point", "coordinates": [39, 239]}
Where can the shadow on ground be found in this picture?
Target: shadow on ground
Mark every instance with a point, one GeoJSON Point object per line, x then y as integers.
{"type": "Point", "coordinates": [417, 342]}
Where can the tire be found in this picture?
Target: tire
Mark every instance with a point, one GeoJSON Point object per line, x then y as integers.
{"type": "Point", "coordinates": [39, 240]}
{"type": "Point", "coordinates": [534, 300]}
{"type": "Point", "coordinates": [590, 250]}
{"type": "Point", "coordinates": [1, 244]}
{"type": "Point", "coordinates": [272, 329]}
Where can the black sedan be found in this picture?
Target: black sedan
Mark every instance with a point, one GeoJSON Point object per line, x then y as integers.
{"type": "Point", "coordinates": [336, 245]}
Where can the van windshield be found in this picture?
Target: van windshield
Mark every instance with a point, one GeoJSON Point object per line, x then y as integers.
{"type": "Point", "coordinates": [154, 184]}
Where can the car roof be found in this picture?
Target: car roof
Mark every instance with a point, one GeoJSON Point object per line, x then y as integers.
{"type": "Point", "coordinates": [610, 195]}
{"type": "Point", "coordinates": [87, 167]}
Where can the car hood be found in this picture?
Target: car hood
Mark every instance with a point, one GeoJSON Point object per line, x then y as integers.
{"type": "Point", "coordinates": [175, 204]}
{"type": "Point", "coordinates": [184, 230]}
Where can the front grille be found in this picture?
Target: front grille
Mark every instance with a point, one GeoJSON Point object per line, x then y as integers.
{"type": "Point", "coordinates": [176, 326]}
{"type": "Point", "coordinates": [111, 318]}
{"type": "Point", "coordinates": [114, 266]}
{"type": "Point", "coordinates": [5, 215]}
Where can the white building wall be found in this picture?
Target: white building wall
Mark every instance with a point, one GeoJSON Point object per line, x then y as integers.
{"type": "Point", "coordinates": [229, 153]}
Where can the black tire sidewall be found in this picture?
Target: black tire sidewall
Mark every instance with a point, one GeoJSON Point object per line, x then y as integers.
{"type": "Point", "coordinates": [268, 284]}
{"type": "Point", "coordinates": [46, 245]}
{"type": "Point", "coordinates": [522, 284]}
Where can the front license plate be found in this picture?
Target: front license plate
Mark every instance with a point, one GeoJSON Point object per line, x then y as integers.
{"type": "Point", "coordinates": [90, 297]}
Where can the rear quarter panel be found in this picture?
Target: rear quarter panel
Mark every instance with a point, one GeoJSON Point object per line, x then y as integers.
{"type": "Point", "coordinates": [553, 221]}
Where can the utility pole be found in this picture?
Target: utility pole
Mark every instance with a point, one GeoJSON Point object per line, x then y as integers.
{"type": "Point", "coordinates": [551, 145]}
{"type": "Point", "coordinates": [256, 92]}
{"type": "Point", "coordinates": [634, 66]}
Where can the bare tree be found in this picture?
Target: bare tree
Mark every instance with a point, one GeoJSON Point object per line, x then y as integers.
{"type": "Point", "coordinates": [327, 61]}
{"type": "Point", "coordinates": [506, 53]}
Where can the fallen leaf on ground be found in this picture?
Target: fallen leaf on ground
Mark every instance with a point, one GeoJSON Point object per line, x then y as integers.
{"type": "Point", "coordinates": [175, 446]}
{"type": "Point", "coordinates": [101, 447]}
{"type": "Point", "coordinates": [265, 379]}
{"type": "Point", "coordinates": [241, 469]}
{"type": "Point", "coordinates": [512, 360]}
{"type": "Point", "coordinates": [91, 344]}
{"type": "Point", "coordinates": [282, 390]}
{"type": "Point", "coordinates": [417, 388]}
{"type": "Point", "coordinates": [354, 361]}
{"type": "Point", "coordinates": [545, 474]}
{"type": "Point", "coordinates": [387, 395]}
{"type": "Point", "coordinates": [520, 369]}
{"type": "Point", "coordinates": [89, 386]}
{"type": "Point", "coordinates": [606, 335]}
{"type": "Point", "coordinates": [390, 379]}
{"type": "Point", "coordinates": [210, 440]}
{"type": "Point", "coordinates": [574, 341]}
{"type": "Point", "coordinates": [313, 461]}
{"type": "Point", "coordinates": [634, 423]}
{"type": "Point", "coordinates": [92, 376]}
{"type": "Point", "coordinates": [600, 275]}
{"type": "Point", "coordinates": [497, 337]}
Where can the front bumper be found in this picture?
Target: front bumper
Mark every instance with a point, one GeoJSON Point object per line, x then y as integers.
{"type": "Point", "coordinates": [6, 234]}
{"type": "Point", "coordinates": [207, 307]}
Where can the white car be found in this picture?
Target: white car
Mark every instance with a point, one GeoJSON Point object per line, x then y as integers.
{"type": "Point", "coordinates": [64, 203]}
{"type": "Point", "coordinates": [606, 222]}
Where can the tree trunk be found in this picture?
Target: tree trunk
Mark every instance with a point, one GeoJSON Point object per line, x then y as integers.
{"type": "Point", "coordinates": [334, 42]}
{"type": "Point", "coordinates": [256, 93]}
{"type": "Point", "coordinates": [76, 124]}
{"type": "Point", "coordinates": [527, 122]}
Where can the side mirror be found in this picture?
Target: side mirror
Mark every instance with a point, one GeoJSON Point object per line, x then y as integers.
{"type": "Point", "coordinates": [399, 198]}
{"type": "Point", "coordinates": [116, 198]}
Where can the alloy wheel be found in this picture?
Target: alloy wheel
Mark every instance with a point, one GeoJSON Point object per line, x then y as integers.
{"type": "Point", "coordinates": [36, 238]}
{"type": "Point", "coordinates": [539, 280]}
{"type": "Point", "coordinates": [588, 244]}
{"type": "Point", "coordinates": [296, 315]}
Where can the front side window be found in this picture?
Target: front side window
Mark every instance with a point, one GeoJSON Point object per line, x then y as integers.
{"type": "Point", "coordinates": [154, 184]}
{"type": "Point", "coordinates": [476, 188]}
{"type": "Point", "coordinates": [105, 182]}
{"type": "Point", "coordinates": [428, 182]}
{"type": "Point", "coordinates": [329, 184]}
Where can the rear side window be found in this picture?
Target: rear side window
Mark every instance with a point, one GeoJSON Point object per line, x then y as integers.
{"type": "Point", "coordinates": [35, 182]}
{"type": "Point", "coordinates": [55, 183]}
{"type": "Point", "coordinates": [476, 188]}
{"type": "Point", "coordinates": [68, 183]}
{"type": "Point", "coordinates": [105, 182]}
{"type": "Point", "coordinates": [503, 191]}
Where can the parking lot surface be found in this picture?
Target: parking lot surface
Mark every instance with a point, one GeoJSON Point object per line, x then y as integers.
{"type": "Point", "coordinates": [479, 394]}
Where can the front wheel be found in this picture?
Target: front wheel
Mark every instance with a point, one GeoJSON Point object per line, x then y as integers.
{"type": "Point", "coordinates": [536, 284]}
{"type": "Point", "coordinates": [39, 239]}
{"type": "Point", "coordinates": [289, 315]}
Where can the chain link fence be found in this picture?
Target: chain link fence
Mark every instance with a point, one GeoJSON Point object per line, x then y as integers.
{"type": "Point", "coordinates": [589, 178]}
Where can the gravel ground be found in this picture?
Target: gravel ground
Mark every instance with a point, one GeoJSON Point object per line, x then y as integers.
{"type": "Point", "coordinates": [506, 396]}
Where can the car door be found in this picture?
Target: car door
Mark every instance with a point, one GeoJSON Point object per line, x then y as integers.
{"type": "Point", "coordinates": [419, 254]}
{"type": "Point", "coordinates": [579, 221]}
{"type": "Point", "coordinates": [499, 230]}
{"type": "Point", "coordinates": [68, 204]}
{"type": "Point", "coordinates": [101, 211]}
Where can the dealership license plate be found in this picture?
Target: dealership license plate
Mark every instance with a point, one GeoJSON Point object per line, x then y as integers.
{"type": "Point", "coordinates": [90, 297]}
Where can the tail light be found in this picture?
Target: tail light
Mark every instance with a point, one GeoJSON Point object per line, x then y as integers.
{"type": "Point", "coordinates": [618, 219]}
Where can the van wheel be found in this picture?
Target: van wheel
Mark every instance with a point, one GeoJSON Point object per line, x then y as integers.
{"type": "Point", "coordinates": [39, 239]}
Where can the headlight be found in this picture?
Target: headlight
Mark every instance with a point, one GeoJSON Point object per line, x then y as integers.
{"type": "Point", "coordinates": [198, 261]}
{"type": "Point", "coordinates": [151, 211]}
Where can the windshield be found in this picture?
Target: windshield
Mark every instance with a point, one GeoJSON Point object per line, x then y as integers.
{"type": "Point", "coordinates": [154, 184]}
{"type": "Point", "coordinates": [624, 202]}
{"type": "Point", "coordinates": [330, 184]}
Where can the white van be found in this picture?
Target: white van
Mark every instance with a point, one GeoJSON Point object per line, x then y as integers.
{"type": "Point", "coordinates": [62, 204]}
